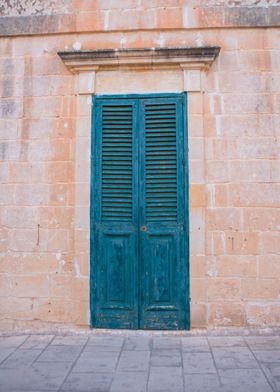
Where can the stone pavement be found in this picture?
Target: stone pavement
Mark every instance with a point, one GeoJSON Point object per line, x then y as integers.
{"type": "Point", "coordinates": [138, 363]}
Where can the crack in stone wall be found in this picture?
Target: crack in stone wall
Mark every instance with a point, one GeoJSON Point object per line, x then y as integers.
{"type": "Point", "coordinates": [34, 7]}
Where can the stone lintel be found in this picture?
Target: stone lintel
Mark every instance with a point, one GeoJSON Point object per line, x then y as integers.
{"type": "Point", "coordinates": [196, 58]}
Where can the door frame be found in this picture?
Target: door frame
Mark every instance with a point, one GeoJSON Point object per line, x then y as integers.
{"type": "Point", "coordinates": [186, 255]}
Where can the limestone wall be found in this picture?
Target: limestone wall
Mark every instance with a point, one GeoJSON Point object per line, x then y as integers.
{"type": "Point", "coordinates": [234, 163]}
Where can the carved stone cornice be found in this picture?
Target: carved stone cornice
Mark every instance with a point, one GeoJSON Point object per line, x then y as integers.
{"type": "Point", "coordinates": [196, 58]}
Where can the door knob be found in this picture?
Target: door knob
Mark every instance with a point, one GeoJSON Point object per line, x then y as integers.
{"type": "Point", "coordinates": [144, 228]}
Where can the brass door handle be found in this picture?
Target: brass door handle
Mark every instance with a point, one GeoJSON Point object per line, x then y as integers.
{"type": "Point", "coordinates": [144, 228]}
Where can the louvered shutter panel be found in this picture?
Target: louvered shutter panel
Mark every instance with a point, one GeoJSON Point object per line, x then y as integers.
{"type": "Point", "coordinates": [160, 162]}
{"type": "Point", "coordinates": [117, 128]}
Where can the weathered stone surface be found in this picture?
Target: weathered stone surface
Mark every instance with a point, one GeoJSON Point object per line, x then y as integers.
{"type": "Point", "coordinates": [38, 17]}
{"type": "Point", "coordinates": [45, 129]}
{"type": "Point", "coordinates": [100, 371]}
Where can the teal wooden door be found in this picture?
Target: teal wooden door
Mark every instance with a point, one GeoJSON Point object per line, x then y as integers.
{"type": "Point", "coordinates": [139, 241]}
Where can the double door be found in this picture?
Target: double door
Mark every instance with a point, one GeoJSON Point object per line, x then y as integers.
{"type": "Point", "coordinates": [139, 253]}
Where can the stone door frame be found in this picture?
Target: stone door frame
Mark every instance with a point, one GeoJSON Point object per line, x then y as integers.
{"type": "Point", "coordinates": [138, 71]}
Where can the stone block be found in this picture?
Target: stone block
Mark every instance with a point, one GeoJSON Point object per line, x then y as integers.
{"type": "Point", "coordinates": [245, 16]}
{"type": "Point", "coordinates": [197, 195]}
{"type": "Point", "coordinates": [11, 108]}
{"type": "Point", "coordinates": [267, 314]}
{"type": "Point", "coordinates": [195, 103]}
{"type": "Point", "coordinates": [217, 171]}
{"type": "Point", "coordinates": [90, 21]}
{"type": "Point", "coordinates": [256, 289]}
{"type": "Point", "coordinates": [198, 266]}
{"type": "Point", "coordinates": [196, 172]}
{"type": "Point", "coordinates": [198, 290]}
{"type": "Point", "coordinates": [196, 122]}
{"type": "Point", "coordinates": [236, 266]}
{"type": "Point", "coordinates": [224, 289]}
{"type": "Point", "coordinates": [166, 17]}
{"type": "Point", "coordinates": [30, 286]}
{"type": "Point", "coordinates": [198, 315]}
{"type": "Point", "coordinates": [224, 219]}
{"type": "Point", "coordinates": [86, 83]}
{"type": "Point", "coordinates": [226, 314]}
{"type": "Point", "coordinates": [196, 148]}
{"type": "Point", "coordinates": [269, 242]}
{"type": "Point", "coordinates": [21, 217]}
{"type": "Point", "coordinates": [269, 266]}
{"type": "Point", "coordinates": [242, 243]}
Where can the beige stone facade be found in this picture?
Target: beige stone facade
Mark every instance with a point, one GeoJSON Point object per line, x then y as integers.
{"type": "Point", "coordinates": [234, 167]}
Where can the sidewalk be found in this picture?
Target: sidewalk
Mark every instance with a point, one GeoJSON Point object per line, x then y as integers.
{"type": "Point", "coordinates": [148, 363]}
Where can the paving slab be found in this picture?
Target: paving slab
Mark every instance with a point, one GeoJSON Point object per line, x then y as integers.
{"type": "Point", "coordinates": [40, 376]}
{"type": "Point", "coordinates": [167, 342]}
{"type": "Point", "coordinates": [136, 361]}
{"type": "Point", "coordinates": [21, 359]}
{"type": "Point", "coordinates": [5, 352]}
{"type": "Point", "coordinates": [97, 349]}
{"type": "Point", "coordinates": [263, 342]}
{"type": "Point", "coordinates": [12, 341]}
{"type": "Point", "coordinates": [139, 363]}
{"type": "Point", "coordinates": [272, 373]}
{"type": "Point", "coordinates": [88, 382]}
{"type": "Point", "coordinates": [69, 340]}
{"type": "Point", "coordinates": [138, 343]}
{"type": "Point", "coordinates": [130, 382]}
{"type": "Point", "coordinates": [96, 362]}
{"type": "Point", "coordinates": [195, 344]}
{"type": "Point", "coordinates": [203, 383]}
{"type": "Point", "coordinates": [198, 363]}
{"type": "Point", "coordinates": [166, 358]}
{"type": "Point", "coordinates": [267, 356]}
{"type": "Point", "coordinates": [37, 342]}
{"type": "Point", "coordinates": [226, 341]}
{"type": "Point", "coordinates": [244, 380]}
{"type": "Point", "coordinates": [165, 379]}
{"type": "Point", "coordinates": [109, 341]}
{"type": "Point", "coordinates": [60, 353]}
{"type": "Point", "coordinates": [234, 358]}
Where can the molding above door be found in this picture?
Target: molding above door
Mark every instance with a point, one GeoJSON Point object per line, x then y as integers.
{"type": "Point", "coordinates": [192, 60]}
{"type": "Point", "coordinates": [91, 60]}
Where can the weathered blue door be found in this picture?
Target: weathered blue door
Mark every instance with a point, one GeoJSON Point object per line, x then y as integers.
{"type": "Point", "coordinates": [139, 247]}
